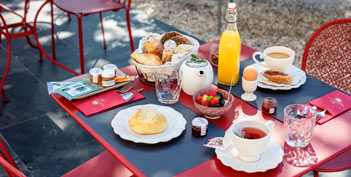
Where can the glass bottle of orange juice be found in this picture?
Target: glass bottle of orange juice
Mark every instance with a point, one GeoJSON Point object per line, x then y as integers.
{"type": "Point", "coordinates": [229, 49]}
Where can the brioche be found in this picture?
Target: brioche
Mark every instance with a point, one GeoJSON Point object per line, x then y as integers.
{"type": "Point", "coordinates": [147, 59]}
{"type": "Point", "coordinates": [277, 77]}
{"type": "Point", "coordinates": [153, 46]}
{"type": "Point", "coordinates": [147, 120]}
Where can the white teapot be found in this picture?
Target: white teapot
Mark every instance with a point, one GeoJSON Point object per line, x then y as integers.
{"type": "Point", "coordinates": [196, 74]}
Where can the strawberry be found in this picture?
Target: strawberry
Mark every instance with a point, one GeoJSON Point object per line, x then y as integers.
{"type": "Point", "coordinates": [214, 101]}
{"type": "Point", "coordinates": [199, 99]}
{"type": "Point", "coordinates": [205, 103]}
{"type": "Point", "coordinates": [212, 93]}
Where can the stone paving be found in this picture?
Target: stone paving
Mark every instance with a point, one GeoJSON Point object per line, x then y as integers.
{"type": "Point", "coordinates": [262, 23]}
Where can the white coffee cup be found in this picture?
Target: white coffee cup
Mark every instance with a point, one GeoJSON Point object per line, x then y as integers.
{"type": "Point", "coordinates": [274, 63]}
{"type": "Point", "coordinates": [249, 150]}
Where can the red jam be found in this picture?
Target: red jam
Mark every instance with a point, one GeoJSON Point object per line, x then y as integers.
{"type": "Point", "coordinates": [269, 106]}
{"type": "Point", "coordinates": [199, 127]}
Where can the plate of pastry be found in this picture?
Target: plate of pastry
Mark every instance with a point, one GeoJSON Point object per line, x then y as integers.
{"type": "Point", "coordinates": [148, 123]}
{"type": "Point", "coordinates": [293, 78]}
{"type": "Point", "coordinates": [162, 53]}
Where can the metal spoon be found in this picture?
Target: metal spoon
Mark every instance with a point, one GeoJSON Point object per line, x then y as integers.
{"type": "Point", "coordinates": [126, 87]}
{"type": "Point", "coordinates": [130, 95]}
{"type": "Point", "coordinates": [230, 88]}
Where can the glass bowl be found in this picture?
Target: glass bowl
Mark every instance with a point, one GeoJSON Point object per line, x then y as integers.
{"type": "Point", "coordinates": [213, 112]}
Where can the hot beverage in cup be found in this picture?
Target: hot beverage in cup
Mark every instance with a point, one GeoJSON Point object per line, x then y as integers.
{"type": "Point", "coordinates": [250, 138]}
{"type": "Point", "coordinates": [278, 55]}
{"type": "Point", "coordinates": [251, 133]}
{"type": "Point", "coordinates": [276, 58]}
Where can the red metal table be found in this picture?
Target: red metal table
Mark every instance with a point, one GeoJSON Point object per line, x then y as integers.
{"type": "Point", "coordinates": [328, 141]}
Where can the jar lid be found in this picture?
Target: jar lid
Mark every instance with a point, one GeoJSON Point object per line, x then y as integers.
{"type": "Point", "coordinates": [110, 66]}
{"type": "Point", "coordinates": [199, 122]}
{"type": "Point", "coordinates": [95, 71]}
{"type": "Point", "coordinates": [108, 73]}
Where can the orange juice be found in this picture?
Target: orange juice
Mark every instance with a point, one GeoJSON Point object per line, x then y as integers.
{"type": "Point", "coordinates": [229, 57]}
{"type": "Point", "coordinates": [229, 49]}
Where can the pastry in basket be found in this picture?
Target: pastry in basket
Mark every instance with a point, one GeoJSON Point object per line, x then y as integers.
{"type": "Point", "coordinates": [169, 52]}
{"type": "Point", "coordinates": [147, 59]}
{"type": "Point", "coordinates": [186, 47]}
{"type": "Point", "coordinates": [176, 37]}
{"type": "Point", "coordinates": [168, 35]}
{"type": "Point", "coordinates": [277, 77]}
{"type": "Point", "coordinates": [154, 46]}
{"type": "Point", "coordinates": [180, 40]}
{"type": "Point", "coordinates": [146, 120]}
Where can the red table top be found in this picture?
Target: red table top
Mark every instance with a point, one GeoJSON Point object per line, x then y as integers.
{"type": "Point", "coordinates": [328, 140]}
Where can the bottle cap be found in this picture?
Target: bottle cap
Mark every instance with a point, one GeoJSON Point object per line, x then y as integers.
{"type": "Point", "coordinates": [200, 122]}
{"type": "Point", "coordinates": [231, 6]}
{"type": "Point", "coordinates": [95, 71]}
{"type": "Point", "coordinates": [108, 73]}
{"type": "Point", "coordinates": [110, 66]}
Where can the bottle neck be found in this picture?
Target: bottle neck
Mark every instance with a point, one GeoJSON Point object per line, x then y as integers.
{"type": "Point", "coordinates": [231, 26]}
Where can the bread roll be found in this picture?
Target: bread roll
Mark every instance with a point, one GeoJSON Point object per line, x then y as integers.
{"type": "Point", "coordinates": [146, 120]}
{"type": "Point", "coordinates": [277, 77]}
{"type": "Point", "coordinates": [153, 46]}
{"type": "Point", "coordinates": [168, 35]}
{"type": "Point", "coordinates": [147, 59]}
{"type": "Point", "coordinates": [180, 40]}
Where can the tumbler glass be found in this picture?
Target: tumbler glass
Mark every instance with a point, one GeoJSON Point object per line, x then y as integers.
{"type": "Point", "coordinates": [168, 87]}
{"type": "Point", "coordinates": [299, 121]}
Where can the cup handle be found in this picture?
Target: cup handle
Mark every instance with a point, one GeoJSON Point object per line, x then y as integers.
{"type": "Point", "coordinates": [270, 124]}
{"type": "Point", "coordinates": [259, 63]}
{"type": "Point", "coordinates": [234, 152]}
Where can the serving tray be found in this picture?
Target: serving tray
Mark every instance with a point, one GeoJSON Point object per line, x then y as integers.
{"type": "Point", "coordinates": [102, 90]}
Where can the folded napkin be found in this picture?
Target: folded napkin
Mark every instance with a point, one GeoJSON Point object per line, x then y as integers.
{"type": "Point", "coordinates": [101, 102]}
{"type": "Point", "coordinates": [334, 102]}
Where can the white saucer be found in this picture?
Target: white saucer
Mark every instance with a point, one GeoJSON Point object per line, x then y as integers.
{"type": "Point", "coordinates": [270, 158]}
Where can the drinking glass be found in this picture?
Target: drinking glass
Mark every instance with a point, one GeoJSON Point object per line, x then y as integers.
{"type": "Point", "coordinates": [168, 87]}
{"type": "Point", "coordinates": [299, 121]}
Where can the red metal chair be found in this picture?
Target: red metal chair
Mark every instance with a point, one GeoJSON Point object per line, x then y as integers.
{"type": "Point", "coordinates": [7, 162]}
{"type": "Point", "coordinates": [81, 8]}
{"type": "Point", "coordinates": [327, 56]}
{"type": "Point", "coordinates": [103, 164]}
{"type": "Point", "coordinates": [27, 30]}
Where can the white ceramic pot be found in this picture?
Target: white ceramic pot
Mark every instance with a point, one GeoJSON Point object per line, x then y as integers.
{"type": "Point", "coordinates": [196, 74]}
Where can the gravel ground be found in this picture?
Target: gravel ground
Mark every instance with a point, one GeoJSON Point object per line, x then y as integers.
{"type": "Point", "coordinates": [262, 23]}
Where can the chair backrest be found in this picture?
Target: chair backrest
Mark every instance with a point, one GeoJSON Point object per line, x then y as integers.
{"type": "Point", "coordinates": [327, 54]}
{"type": "Point", "coordinates": [8, 163]}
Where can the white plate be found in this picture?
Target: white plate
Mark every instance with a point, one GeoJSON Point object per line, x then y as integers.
{"type": "Point", "coordinates": [299, 78]}
{"type": "Point", "coordinates": [270, 158]}
{"type": "Point", "coordinates": [175, 125]}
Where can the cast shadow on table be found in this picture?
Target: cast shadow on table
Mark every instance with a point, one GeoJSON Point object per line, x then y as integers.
{"type": "Point", "coordinates": [228, 171]}
{"type": "Point", "coordinates": [300, 157]}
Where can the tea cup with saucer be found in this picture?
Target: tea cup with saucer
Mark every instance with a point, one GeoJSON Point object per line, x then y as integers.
{"type": "Point", "coordinates": [276, 58]}
{"type": "Point", "coordinates": [250, 138]}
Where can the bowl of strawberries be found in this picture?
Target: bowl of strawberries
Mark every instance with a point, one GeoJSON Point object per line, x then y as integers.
{"type": "Point", "coordinates": [213, 103]}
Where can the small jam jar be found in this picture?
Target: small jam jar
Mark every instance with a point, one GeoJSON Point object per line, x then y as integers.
{"type": "Point", "coordinates": [112, 67]}
{"type": "Point", "coordinates": [108, 78]}
{"type": "Point", "coordinates": [214, 54]}
{"type": "Point", "coordinates": [199, 127]}
{"type": "Point", "coordinates": [95, 75]}
{"type": "Point", "coordinates": [269, 105]}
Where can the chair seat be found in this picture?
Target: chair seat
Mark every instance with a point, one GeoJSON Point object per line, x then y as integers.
{"type": "Point", "coordinates": [341, 162]}
{"type": "Point", "coordinates": [103, 164]}
{"type": "Point", "coordinates": [88, 6]}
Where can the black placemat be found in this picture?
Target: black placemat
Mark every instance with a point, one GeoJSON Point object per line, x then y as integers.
{"type": "Point", "coordinates": [162, 159]}
{"type": "Point", "coordinates": [312, 89]}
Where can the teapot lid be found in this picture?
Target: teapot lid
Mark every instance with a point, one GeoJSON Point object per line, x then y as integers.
{"type": "Point", "coordinates": [196, 62]}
